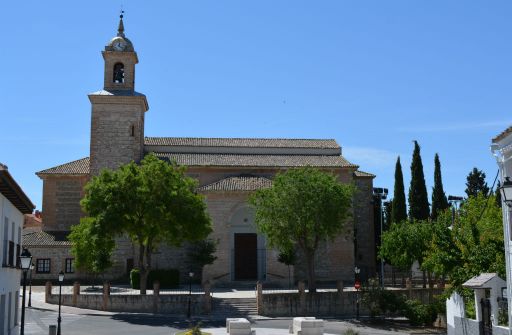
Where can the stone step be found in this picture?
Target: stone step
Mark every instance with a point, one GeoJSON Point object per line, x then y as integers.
{"type": "Point", "coordinates": [232, 307]}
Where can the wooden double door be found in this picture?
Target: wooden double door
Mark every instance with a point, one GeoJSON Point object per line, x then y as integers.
{"type": "Point", "coordinates": [246, 256]}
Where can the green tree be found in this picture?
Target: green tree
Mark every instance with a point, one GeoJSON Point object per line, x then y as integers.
{"type": "Point", "coordinates": [202, 253]}
{"type": "Point", "coordinates": [473, 245]}
{"type": "Point", "coordinates": [288, 258]}
{"type": "Point", "coordinates": [497, 194]}
{"type": "Point", "coordinates": [439, 201]}
{"type": "Point", "coordinates": [475, 183]}
{"type": "Point", "coordinates": [91, 247]}
{"type": "Point", "coordinates": [418, 198]}
{"type": "Point", "coordinates": [150, 203]}
{"type": "Point", "coordinates": [404, 243]}
{"type": "Point", "coordinates": [303, 208]}
{"type": "Point", "coordinates": [398, 208]}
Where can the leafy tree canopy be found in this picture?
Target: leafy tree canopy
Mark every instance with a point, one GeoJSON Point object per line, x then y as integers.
{"type": "Point", "coordinates": [151, 203]}
{"type": "Point", "coordinates": [472, 245]}
{"type": "Point", "coordinates": [303, 208]}
{"type": "Point", "coordinates": [404, 243]}
{"type": "Point", "coordinates": [475, 183]}
{"type": "Point", "coordinates": [91, 246]}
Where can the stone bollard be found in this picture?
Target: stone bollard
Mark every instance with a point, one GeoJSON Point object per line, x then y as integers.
{"type": "Point", "coordinates": [156, 295]}
{"type": "Point", "coordinates": [52, 330]}
{"type": "Point", "coordinates": [408, 286]}
{"type": "Point", "coordinates": [48, 291]}
{"type": "Point", "coordinates": [259, 298]}
{"type": "Point", "coordinates": [106, 295]}
{"type": "Point", "coordinates": [76, 293]}
{"type": "Point", "coordinates": [340, 287]}
{"type": "Point", "coordinates": [302, 297]}
{"type": "Point", "coordinates": [207, 299]}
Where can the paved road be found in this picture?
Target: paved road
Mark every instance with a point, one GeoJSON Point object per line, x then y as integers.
{"type": "Point", "coordinates": [77, 321]}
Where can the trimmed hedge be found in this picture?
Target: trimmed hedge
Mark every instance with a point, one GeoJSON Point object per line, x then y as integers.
{"type": "Point", "coordinates": [168, 278]}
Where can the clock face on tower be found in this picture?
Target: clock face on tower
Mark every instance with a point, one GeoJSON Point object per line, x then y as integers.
{"type": "Point", "coordinates": [119, 45]}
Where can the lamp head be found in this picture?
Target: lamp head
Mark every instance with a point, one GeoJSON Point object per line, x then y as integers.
{"type": "Point", "coordinates": [191, 274]}
{"type": "Point", "coordinates": [506, 191]}
{"type": "Point", "coordinates": [25, 259]}
{"type": "Point", "coordinates": [61, 277]}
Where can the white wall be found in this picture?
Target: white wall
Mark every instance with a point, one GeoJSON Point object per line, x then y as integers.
{"type": "Point", "coordinates": [9, 277]}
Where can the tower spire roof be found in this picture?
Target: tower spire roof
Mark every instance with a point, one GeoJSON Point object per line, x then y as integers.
{"type": "Point", "coordinates": [120, 29]}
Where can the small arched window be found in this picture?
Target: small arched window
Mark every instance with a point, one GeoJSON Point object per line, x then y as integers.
{"type": "Point", "coordinates": [132, 130]}
{"type": "Point", "coordinates": [119, 73]}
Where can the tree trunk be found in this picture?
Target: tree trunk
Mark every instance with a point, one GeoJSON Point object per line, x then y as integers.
{"type": "Point", "coordinates": [145, 269]}
{"type": "Point", "coordinates": [310, 261]}
{"type": "Point", "coordinates": [424, 279]}
{"type": "Point", "coordinates": [143, 274]}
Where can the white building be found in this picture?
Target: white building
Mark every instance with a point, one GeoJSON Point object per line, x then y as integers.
{"type": "Point", "coordinates": [502, 149]}
{"type": "Point", "coordinates": [13, 205]}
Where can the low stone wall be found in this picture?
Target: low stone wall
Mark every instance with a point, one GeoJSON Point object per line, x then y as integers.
{"type": "Point", "coordinates": [154, 303]}
{"type": "Point", "coordinates": [336, 303]}
{"type": "Point", "coordinates": [464, 326]}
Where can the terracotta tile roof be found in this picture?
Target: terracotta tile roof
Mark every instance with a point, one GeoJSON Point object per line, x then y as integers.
{"type": "Point", "coordinates": [503, 134]}
{"type": "Point", "coordinates": [242, 142]}
{"type": "Point", "coordinates": [80, 166]}
{"type": "Point", "coordinates": [359, 173]}
{"type": "Point", "coordinates": [238, 183]}
{"type": "Point", "coordinates": [255, 160]}
{"type": "Point", "coordinates": [45, 238]}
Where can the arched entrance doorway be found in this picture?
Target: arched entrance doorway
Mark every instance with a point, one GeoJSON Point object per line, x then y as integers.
{"type": "Point", "coordinates": [248, 255]}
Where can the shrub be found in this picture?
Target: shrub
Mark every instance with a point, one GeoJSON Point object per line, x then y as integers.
{"type": "Point", "coordinates": [350, 332]}
{"type": "Point", "coordinates": [168, 278]}
{"type": "Point", "coordinates": [380, 301]}
{"type": "Point", "coordinates": [418, 313]}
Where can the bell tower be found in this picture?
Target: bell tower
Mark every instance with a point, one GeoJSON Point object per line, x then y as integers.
{"type": "Point", "coordinates": [117, 117]}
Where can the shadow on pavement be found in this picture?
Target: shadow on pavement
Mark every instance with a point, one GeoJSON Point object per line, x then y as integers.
{"type": "Point", "coordinates": [172, 321]}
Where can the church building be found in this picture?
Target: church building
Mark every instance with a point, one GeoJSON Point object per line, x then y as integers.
{"type": "Point", "coordinates": [227, 169]}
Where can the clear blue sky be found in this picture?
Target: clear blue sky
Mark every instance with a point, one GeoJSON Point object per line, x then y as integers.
{"type": "Point", "coordinates": [374, 75]}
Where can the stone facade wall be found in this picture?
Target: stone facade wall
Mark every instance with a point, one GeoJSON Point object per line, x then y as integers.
{"type": "Point", "coordinates": [128, 59]}
{"type": "Point", "coordinates": [61, 201]}
{"type": "Point", "coordinates": [57, 256]}
{"type": "Point", "coordinates": [364, 229]}
{"type": "Point", "coordinates": [113, 141]}
{"type": "Point", "coordinates": [228, 210]}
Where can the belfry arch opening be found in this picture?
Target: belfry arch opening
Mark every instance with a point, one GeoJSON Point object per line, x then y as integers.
{"type": "Point", "coordinates": [118, 74]}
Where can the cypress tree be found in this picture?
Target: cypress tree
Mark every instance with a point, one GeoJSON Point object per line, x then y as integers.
{"type": "Point", "coordinates": [398, 207]}
{"type": "Point", "coordinates": [475, 183]}
{"type": "Point", "coordinates": [439, 201]}
{"type": "Point", "coordinates": [418, 197]}
{"type": "Point", "coordinates": [497, 195]}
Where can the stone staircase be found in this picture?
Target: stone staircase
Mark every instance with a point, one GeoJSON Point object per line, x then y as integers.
{"type": "Point", "coordinates": [234, 307]}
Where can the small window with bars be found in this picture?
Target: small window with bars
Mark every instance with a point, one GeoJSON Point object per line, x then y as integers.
{"type": "Point", "coordinates": [43, 265]}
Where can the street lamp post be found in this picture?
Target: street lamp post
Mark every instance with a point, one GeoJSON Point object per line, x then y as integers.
{"type": "Point", "coordinates": [455, 202]}
{"type": "Point", "coordinates": [59, 319]}
{"type": "Point", "coordinates": [190, 275]}
{"type": "Point", "coordinates": [357, 286]}
{"type": "Point", "coordinates": [382, 194]}
{"type": "Point", "coordinates": [25, 260]}
{"type": "Point", "coordinates": [30, 285]}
